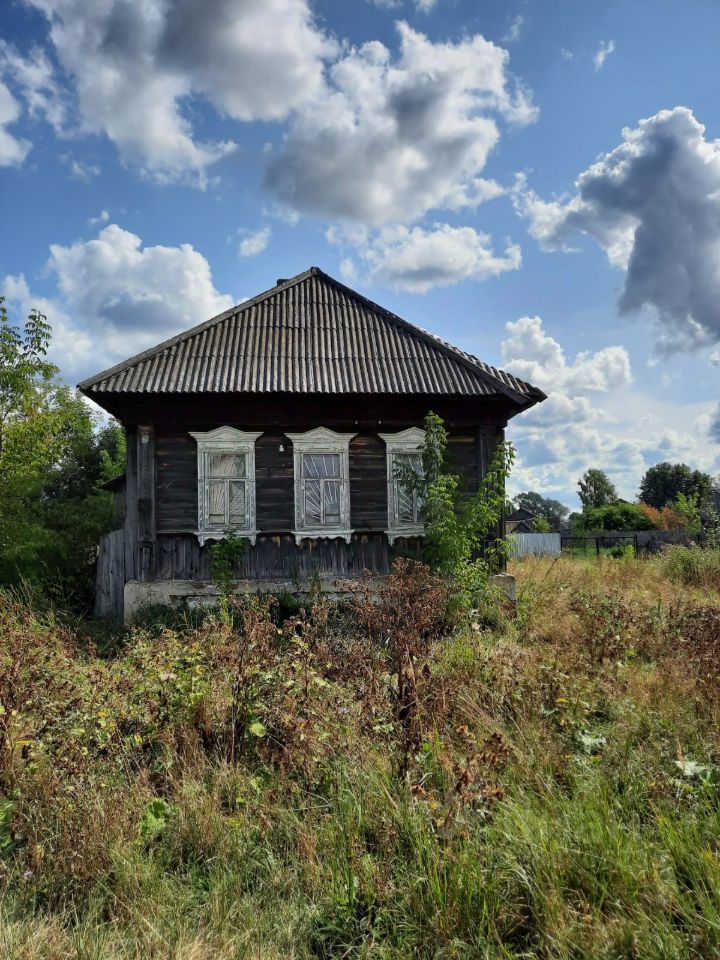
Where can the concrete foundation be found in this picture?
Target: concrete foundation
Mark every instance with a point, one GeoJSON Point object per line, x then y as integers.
{"type": "Point", "coordinates": [138, 595]}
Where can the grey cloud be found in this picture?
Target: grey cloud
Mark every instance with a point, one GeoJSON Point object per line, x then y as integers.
{"type": "Point", "coordinates": [389, 140]}
{"type": "Point", "coordinates": [133, 64]}
{"type": "Point", "coordinates": [715, 425]}
{"type": "Point", "coordinates": [653, 204]}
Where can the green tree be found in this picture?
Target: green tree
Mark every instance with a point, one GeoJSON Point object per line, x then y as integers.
{"type": "Point", "coordinates": [595, 489]}
{"type": "Point", "coordinates": [541, 525]}
{"type": "Point", "coordinates": [53, 459]}
{"type": "Point", "coordinates": [459, 525]}
{"type": "Point", "coordinates": [615, 516]}
{"type": "Point", "coordinates": [688, 509]}
{"type": "Point", "coordinates": [662, 483]}
{"type": "Point", "coordinates": [541, 506]}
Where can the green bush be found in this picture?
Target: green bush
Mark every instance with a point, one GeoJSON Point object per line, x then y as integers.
{"type": "Point", "coordinates": [692, 565]}
{"type": "Point", "coordinates": [615, 516]}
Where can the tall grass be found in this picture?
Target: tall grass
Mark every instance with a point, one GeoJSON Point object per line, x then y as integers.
{"type": "Point", "coordinates": [692, 566]}
{"type": "Point", "coordinates": [560, 799]}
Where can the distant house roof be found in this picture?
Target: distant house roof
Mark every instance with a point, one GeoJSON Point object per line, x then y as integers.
{"type": "Point", "coordinates": [310, 334]}
{"type": "Point", "coordinates": [520, 513]}
{"type": "Point", "coordinates": [519, 526]}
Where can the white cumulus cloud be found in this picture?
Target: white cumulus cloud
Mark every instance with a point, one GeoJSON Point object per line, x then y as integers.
{"type": "Point", "coordinates": [416, 260]}
{"type": "Point", "coordinates": [595, 416]}
{"type": "Point", "coordinates": [134, 64]}
{"type": "Point", "coordinates": [34, 77]}
{"type": "Point", "coordinates": [254, 243]}
{"type": "Point", "coordinates": [653, 205]}
{"type": "Point", "coordinates": [13, 149]}
{"type": "Point", "coordinates": [533, 355]}
{"type": "Point", "coordinates": [116, 297]}
{"type": "Point", "coordinates": [388, 140]}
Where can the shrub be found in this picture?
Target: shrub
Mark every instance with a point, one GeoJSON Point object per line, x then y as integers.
{"type": "Point", "coordinates": [617, 516]}
{"type": "Point", "coordinates": [692, 565]}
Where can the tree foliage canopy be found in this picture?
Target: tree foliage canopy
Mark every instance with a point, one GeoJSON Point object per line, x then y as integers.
{"type": "Point", "coordinates": [663, 483]}
{"type": "Point", "coordinates": [595, 489]}
{"type": "Point", "coordinates": [616, 516]}
{"type": "Point", "coordinates": [541, 506]}
{"type": "Point", "coordinates": [54, 455]}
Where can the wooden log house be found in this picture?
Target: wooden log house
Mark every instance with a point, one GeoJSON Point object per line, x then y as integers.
{"type": "Point", "coordinates": [282, 420]}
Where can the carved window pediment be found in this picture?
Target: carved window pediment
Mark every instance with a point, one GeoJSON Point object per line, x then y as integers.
{"type": "Point", "coordinates": [322, 484]}
{"type": "Point", "coordinates": [226, 483]}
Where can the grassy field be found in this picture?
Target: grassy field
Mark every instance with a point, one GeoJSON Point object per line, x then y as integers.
{"type": "Point", "coordinates": [538, 782]}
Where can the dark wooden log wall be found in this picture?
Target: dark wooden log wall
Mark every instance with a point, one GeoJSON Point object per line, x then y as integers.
{"type": "Point", "coordinates": [474, 427]}
{"type": "Point", "coordinates": [176, 478]}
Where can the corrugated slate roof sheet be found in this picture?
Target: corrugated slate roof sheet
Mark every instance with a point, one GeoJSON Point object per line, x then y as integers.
{"type": "Point", "coordinates": [310, 334]}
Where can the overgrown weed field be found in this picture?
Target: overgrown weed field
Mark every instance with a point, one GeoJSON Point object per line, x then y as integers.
{"type": "Point", "coordinates": [400, 780]}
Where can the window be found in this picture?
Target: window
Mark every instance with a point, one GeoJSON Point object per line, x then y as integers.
{"type": "Point", "coordinates": [226, 483]}
{"type": "Point", "coordinates": [322, 484]}
{"type": "Point", "coordinates": [404, 505]}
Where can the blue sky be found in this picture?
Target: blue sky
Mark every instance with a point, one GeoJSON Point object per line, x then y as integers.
{"type": "Point", "coordinates": [537, 182]}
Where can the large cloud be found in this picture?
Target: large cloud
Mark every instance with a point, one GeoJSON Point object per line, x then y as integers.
{"type": "Point", "coordinates": [653, 204]}
{"type": "Point", "coordinates": [387, 140]}
{"type": "Point", "coordinates": [133, 63]}
{"type": "Point", "coordinates": [532, 354]}
{"type": "Point", "coordinates": [594, 417]}
{"type": "Point", "coordinates": [416, 260]}
{"type": "Point", "coordinates": [122, 297]}
{"type": "Point", "coordinates": [13, 150]}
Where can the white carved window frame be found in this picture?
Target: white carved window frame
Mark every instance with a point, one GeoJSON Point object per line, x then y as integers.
{"type": "Point", "coordinates": [321, 441]}
{"type": "Point", "coordinates": [226, 440]}
{"type": "Point", "coordinates": [406, 442]}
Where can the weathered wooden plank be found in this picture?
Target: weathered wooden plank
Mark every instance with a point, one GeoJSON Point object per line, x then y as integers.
{"type": "Point", "coordinates": [146, 502]}
{"type": "Point", "coordinates": [110, 575]}
{"type": "Point", "coordinates": [131, 505]}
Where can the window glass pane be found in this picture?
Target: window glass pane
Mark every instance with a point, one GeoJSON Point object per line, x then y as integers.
{"type": "Point", "coordinates": [405, 505]}
{"type": "Point", "coordinates": [407, 502]}
{"type": "Point", "coordinates": [313, 514]}
{"type": "Point", "coordinates": [321, 465]}
{"type": "Point", "coordinates": [237, 501]}
{"type": "Point", "coordinates": [331, 496]}
{"type": "Point", "coordinates": [227, 465]}
{"type": "Point", "coordinates": [216, 503]}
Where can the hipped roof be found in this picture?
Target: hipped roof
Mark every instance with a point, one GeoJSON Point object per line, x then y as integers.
{"type": "Point", "coordinates": [309, 334]}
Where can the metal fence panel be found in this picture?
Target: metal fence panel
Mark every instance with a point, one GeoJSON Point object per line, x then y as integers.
{"type": "Point", "coordinates": [536, 544]}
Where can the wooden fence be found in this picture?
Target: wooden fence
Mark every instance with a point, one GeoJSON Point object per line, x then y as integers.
{"type": "Point", "coordinates": [110, 575]}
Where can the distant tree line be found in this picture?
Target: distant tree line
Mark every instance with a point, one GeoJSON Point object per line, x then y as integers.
{"type": "Point", "coordinates": [671, 497]}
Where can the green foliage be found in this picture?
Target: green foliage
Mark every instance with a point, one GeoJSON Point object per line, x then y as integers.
{"type": "Point", "coordinates": [459, 525]}
{"type": "Point", "coordinates": [155, 819]}
{"type": "Point", "coordinates": [663, 483]}
{"type": "Point", "coordinates": [559, 800]}
{"type": "Point", "coordinates": [595, 489]}
{"type": "Point", "coordinates": [616, 516]}
{"type": "Point", "coordinates": [225, 557]}
{"type": "Point", "coordinates": [541, 525]}
{"type": "Point", "coordinates": [688, 509]}
{"type": "Point", "coordinates": [53, 458]}
{"type": "Point", "coordinates": [539, 505]}
{"type": "Point", "coordinates": [693, 566]}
